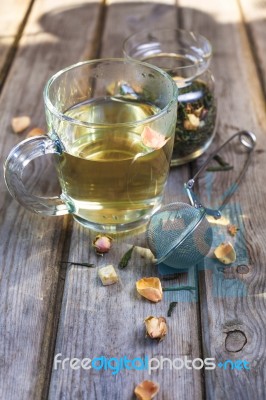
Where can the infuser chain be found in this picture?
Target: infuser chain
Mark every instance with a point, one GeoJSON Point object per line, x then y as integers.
{"type": "Point", "coordinates": [248, 140]}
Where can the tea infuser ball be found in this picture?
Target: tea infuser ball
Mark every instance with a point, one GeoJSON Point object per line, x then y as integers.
{"type": "Point", "coordinates": [179, 234]}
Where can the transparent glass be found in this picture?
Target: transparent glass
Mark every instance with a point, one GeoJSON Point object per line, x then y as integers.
{"type": "Point", "coordinates": [111, 129]}
{"type": "Point", "coordinates": [186, 57]}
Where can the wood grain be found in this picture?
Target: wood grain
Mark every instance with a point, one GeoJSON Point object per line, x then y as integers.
{"type": "Point", "coordinates": [233, 298]}
{"type": "Point", "coordinates": [125, 18]}
{"type": "Point", "coordinates": [108, 321]}
{"type": "Point", "coordinates": [13, 16]}
{"type": "Point", "coordinates": [31, 246]}
{"type": "Point", "coordinates": [47, 308]}
{"type": "Point", "coordinates": [254, 14]}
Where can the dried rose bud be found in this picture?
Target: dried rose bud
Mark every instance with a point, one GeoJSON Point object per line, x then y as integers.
{"type": "Point", "coordinates": [156, 328]}
{"type": "Point", "coordinates": [102, 244]}
{"type": "Point", "coordinates": [232, 229]}
{"type": "Point", "coordinates": [225, 253]}
{"type": "Point", "coordinates": [146, 390]}
{"type": "Point", "coordinates": [150, 288]}
{"type": "Point", "coordinates": [19, 124]}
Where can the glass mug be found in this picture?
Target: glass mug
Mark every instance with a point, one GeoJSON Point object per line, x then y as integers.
{"type": "Point", "coordinates": [186, 57]}
{"type": "Point", "coordinates": [111, 126]}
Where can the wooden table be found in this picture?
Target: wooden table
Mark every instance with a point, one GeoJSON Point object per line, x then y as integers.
{"type": "Point", "coordinates": [48, 307]}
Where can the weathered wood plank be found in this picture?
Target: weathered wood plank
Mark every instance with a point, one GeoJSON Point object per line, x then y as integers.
{"type": "Point", "coordinates": [31, 247]}
{"type": "Point", "coordinates": [108, 321]}
{"type": "Point", "coordinates": [126, 18]}
{"type": "Point", "coordinates": [254, 13]}
{"type": "Point", "coordinates": [233, 298]}
{"type": "Point", "coordinates": [13, 15]}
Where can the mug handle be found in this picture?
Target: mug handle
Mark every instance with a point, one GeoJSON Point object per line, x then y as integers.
{"type": "Point", "coordinates": [19, 157]}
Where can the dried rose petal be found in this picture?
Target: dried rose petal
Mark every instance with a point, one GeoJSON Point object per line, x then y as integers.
{"type": "Point", "coordinates": [232, 229]}
{"type": "Point", "coordinates": [143, 252]}
{"type": "Point", "coordinates": [146, 390]}
{"type": "Point", "coordinates": [19, 124]}
{"type": "Point", "coordinates": [152, 138]}
{"type": "Point", "coordinates": [225, 253]}
{"type": "Point", "coordinates": [156, 327]}
{"type": "Point", "coordinates": [35, 132]}
{"type": "Point", "coordinates": [198, 111]}
{"type": "Point", "coordinates": [192, 122]}
{"type": "Point", "coordinates": [150, 288]}
{"type": "Point", "coordinates": [180, 81]}
{"type": "Point", "coordinates": [102, 244]}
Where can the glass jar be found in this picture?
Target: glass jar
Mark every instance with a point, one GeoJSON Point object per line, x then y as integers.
{"type": "Point", "coordinates": [186, 57]}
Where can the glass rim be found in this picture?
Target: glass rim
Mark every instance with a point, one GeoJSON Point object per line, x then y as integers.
{"type": "Point", "coordinates": [64, 117]}
{"type": "Point", "coordinates": [193, 34]}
